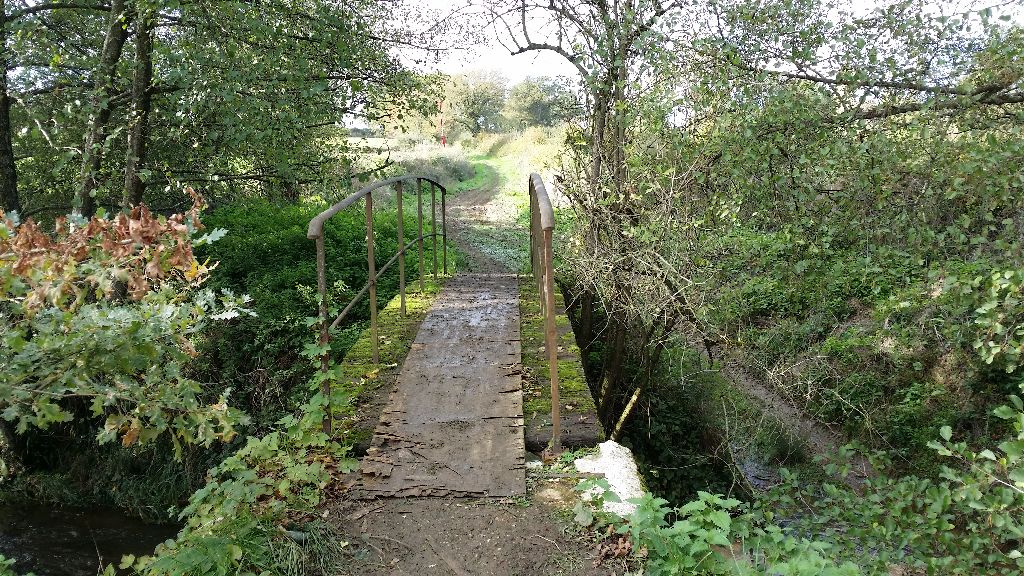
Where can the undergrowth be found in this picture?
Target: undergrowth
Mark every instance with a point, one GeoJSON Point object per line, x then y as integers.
{"type": "Point", "coordinates": [966, 522]}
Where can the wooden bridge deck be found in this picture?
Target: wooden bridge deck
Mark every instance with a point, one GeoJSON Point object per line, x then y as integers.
{"type": "Point", "coordinates": [454, 426]}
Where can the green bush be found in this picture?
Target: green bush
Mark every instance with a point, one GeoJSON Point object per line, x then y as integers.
{"type": "Point", "coordinates": [967, 522]}
{"type": "Point", "coordinates": [100, 323]}
{"type": "Point", "coordinates": [267, 255]}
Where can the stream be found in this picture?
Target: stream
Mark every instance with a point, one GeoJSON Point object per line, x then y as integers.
{"type": "Point", "coordinates": [71, 542]}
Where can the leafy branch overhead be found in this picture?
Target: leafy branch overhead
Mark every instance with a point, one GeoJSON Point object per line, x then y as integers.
{"type": "Point", "coordinates": [108, 105]}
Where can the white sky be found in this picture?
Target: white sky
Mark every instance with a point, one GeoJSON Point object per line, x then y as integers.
{"type": "Point", "coordinates": [515, 68]}
{"type": "Point", "coordinates": [492, 56]}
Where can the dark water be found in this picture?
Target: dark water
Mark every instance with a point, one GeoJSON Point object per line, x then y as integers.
{"type": "Point", "coordinates": [71, 542]}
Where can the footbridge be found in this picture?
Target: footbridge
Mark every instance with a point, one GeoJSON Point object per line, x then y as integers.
{"type": "Point", "coordinates": [454, 423]}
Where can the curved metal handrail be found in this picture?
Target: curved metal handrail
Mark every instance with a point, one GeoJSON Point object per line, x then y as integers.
{"type": "Point", "coordinates": [542, 225]}
{"type": "Point", "coordinates": [315, 232]}
{"type": "Point", "coordinates": [545, 211]}
{"type": "Point", "coordinates": [316, 225]}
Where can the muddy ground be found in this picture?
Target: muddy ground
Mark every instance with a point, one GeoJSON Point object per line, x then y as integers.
{"type": "Point", "coordinates": [459, 536]}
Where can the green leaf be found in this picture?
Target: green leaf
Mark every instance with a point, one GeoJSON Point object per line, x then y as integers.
{"type": "Point", "coordinates": [720, 518]}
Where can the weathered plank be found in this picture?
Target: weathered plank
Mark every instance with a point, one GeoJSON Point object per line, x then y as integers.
{"type": "Point", "coordinates": [454, 425]}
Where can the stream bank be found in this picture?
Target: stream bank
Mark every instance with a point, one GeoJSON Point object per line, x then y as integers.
{"type": "Point", "coordinates": [693, 429]}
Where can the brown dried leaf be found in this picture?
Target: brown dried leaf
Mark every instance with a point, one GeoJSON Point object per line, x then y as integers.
{"type": "Point", "coordinates": [132, 435]}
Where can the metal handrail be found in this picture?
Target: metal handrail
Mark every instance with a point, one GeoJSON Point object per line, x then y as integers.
{"type": "Point", "coordinates": [316, 233]}
{"type": "Point", "coordinates": [542, 226]}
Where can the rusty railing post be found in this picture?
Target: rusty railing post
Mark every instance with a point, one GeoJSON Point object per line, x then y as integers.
{"type": "Point", "coordinates": [444, 231]}
{"type": "Point", "coordinates": [542, 224]}
{"type": "Point", "coordinates": [372, 265]}
{"type": "Point", "coordinates": [433, 223]}
{"type": "Point", "coordinates": [321, 284]}
{"type": "Point", "coordinates": [551, 336]}
{"type": "Point", "coordinates": [399, 192]}
{"type": "Point", "coordinates": [419, 224]}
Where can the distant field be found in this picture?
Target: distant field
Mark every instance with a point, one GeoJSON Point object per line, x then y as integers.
{"type": "Point", "coordinates": [357, 142]}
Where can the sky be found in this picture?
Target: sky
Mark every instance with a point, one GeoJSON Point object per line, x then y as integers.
{"type": "Point", "coordinates": [515, 68]}
{"type": "Point", "coordinates": [488, 54]}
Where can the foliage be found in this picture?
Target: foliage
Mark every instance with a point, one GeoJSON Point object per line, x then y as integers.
{"type": "Point", "coordinates": [539, 102]}
{"type": "Point", "coordinates": [969, 522]}
{"type": "Point", "coordinates": [241, 99]}
{"type": "Point", "coordinates": [850, 236]}
{"type": "Point", "coordinates": [484, 102]}
{"type": "Point", "coordinates": [268, 256]}
{"type": "Point", "coordinates": [5, 567]}
{"type": "Point", "coordinates": [477, 102]}
{"type": "Point", "coordinates": [100, 318]}
{"type": "Point", "coordinates": [232, 523]}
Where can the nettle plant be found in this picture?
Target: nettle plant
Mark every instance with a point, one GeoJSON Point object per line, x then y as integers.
{"type": "Point", "coordinates": [99, 316]}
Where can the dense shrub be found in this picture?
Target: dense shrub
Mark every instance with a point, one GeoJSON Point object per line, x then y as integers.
{"type": "Point", "coordinates": [266, 254]}
{"type": "Point", "coordinates": [100, 321]}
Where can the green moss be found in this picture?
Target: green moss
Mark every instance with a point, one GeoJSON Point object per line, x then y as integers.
{"type": "Point", "coordinates": [395, 332]}
{"type": "Point", "coordinates": [572, 383]}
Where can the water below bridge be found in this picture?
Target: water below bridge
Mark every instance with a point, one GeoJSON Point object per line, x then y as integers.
{"type": "Point", "coordinates": [73, 541]}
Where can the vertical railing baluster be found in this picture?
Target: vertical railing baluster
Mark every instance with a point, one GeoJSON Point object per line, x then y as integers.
{"type": "Point", "coordinates": [444, 231]}
{"type": "Point", "coordinates": [399, 192]}
{"type": "Point", "coordinates": [552, 342]}
{"type": "Point", "coordinates": [433, 224]}
{"type": "Point", "coordinates": [542, 264]}
{"type": "Point", "coordinates": [419, 224]}
{"type": "Point", "coordinates": [325, 335]}
{"type": "Point", "coordinates": [372, 265]}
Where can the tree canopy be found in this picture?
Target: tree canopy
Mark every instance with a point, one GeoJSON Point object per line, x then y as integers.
{"type": "Point", "coordinates": [104, 102]}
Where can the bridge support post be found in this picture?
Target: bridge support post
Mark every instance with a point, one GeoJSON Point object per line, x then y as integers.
{"type": "Point", "coordinates": [419, 224]}
{"type": "Point", "coordinates": [444, 231]}
{"type": "Point", "coordinates": [433, 223]}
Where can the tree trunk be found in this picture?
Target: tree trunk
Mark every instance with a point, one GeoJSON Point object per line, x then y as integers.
{"type": "Point", "coordinates": [9, 200]}
{"type": "Point", "coordinates": [103, 92]}
{"type": "Point", "coordinates": [613, 360]}
{"type": "Point", "coordinates": [586, 322]}
{"type": "Point", "coordinates": [142, 103]}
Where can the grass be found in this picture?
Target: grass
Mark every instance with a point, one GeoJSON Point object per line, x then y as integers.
{"type": "Point", "coordinates": [484, 175]}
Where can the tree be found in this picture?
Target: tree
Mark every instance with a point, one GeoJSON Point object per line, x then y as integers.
{"type": "Point", "coordinates": [620, 52]}
{"type": "Point", "coordinates": [101, 107]}
{"type": "Point", "coordinates": [889, 132]}
{"type": "Point", "coordinates": [539, 102]}
{"type": "Point", "coordinates": [477, 101]}
{"type": "Point", "coordinates": [142, 106]}
{"type": "Point", "coordinates": [225, 95]}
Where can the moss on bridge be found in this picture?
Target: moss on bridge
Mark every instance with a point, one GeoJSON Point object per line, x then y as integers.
{"type": "Point", "coordinates": [580, 425]}
{"type": "Point", "coordinates": [374, 381]}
